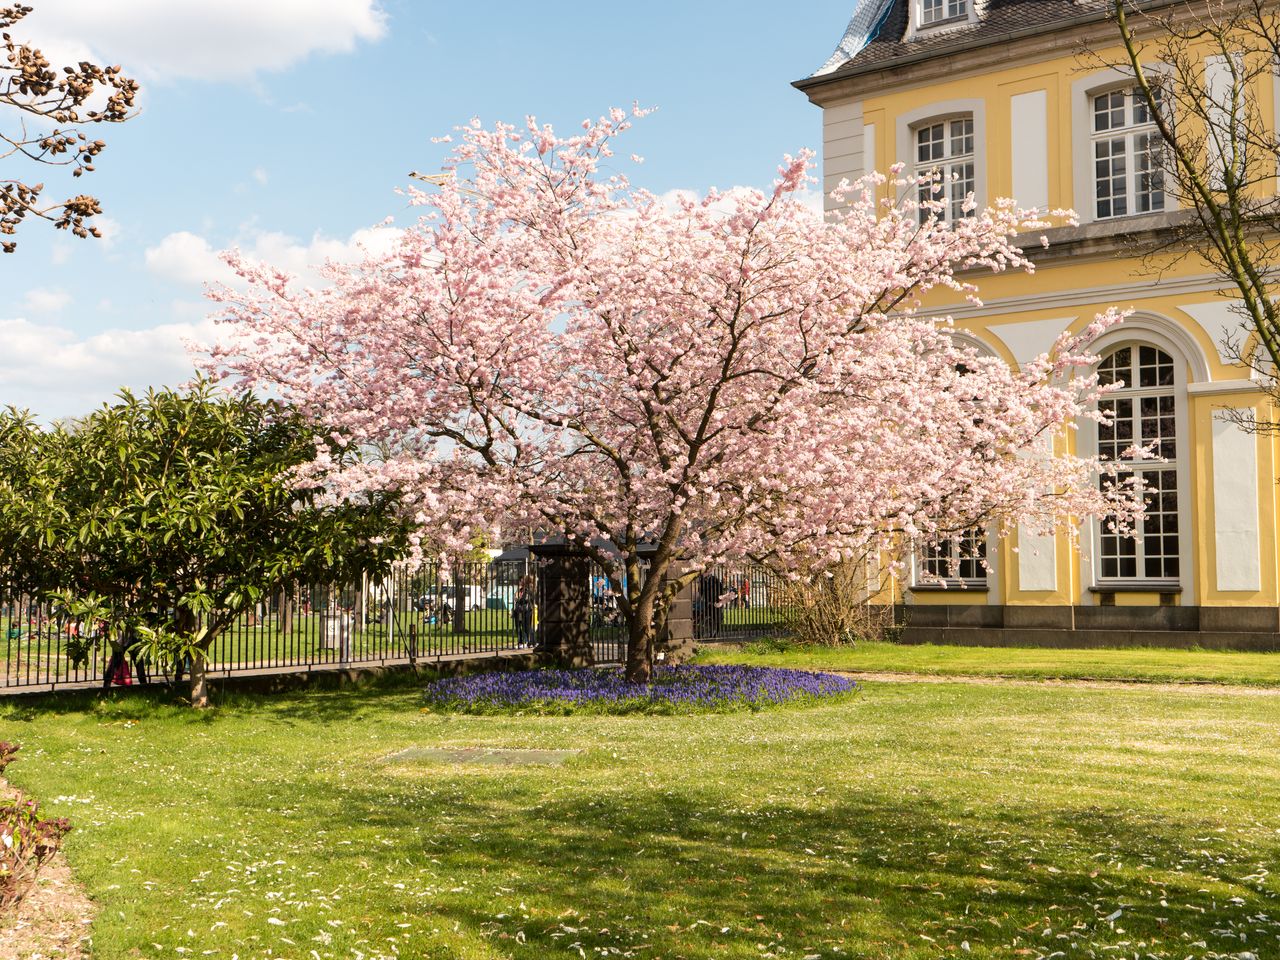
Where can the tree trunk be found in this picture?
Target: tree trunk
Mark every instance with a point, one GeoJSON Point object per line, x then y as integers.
{"type": "Point", "coordinates": [459, 604]}
{"type": "Point", "coordinates": [285, 614]}
{"type": "Point", "coordinates": [199, 680]}
{"type": "Point", "coordinates": [639, 668]}
{"type": "Point", "coordinates": [639, 652]}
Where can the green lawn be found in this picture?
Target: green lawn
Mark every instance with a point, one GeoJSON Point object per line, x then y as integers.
{"type": "Point", "coordinates": [913, 821]}
{"type": "Point", "coordinates": [1134, 664]}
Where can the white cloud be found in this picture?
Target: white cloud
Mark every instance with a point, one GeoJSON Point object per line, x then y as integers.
{"type": "Point", "coordinates": [260, 175]}
{"type": "Point", "coordinates": [222, 40]}
{"type": "Point", "coordinates": [45, 300]}
{"type": "Point", "coordinates": [110, 230]}
{"type": "Point", "coordinates": [185, 257]}
{"type": "Point", "coordinates": [188, 258]}
{"type": "Point", "coordinates": [56, 372]}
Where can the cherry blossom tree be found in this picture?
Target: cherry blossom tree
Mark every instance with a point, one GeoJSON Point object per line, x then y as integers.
{"type": "Point", "coordinates": [719, 379]}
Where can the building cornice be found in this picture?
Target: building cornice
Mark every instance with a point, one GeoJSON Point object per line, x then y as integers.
{"type": "Point", "coordinates": [1117, 293]}
{"type": "Point", "coordinates": [931, 65]}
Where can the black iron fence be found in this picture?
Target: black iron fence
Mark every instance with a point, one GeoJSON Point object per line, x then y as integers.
{"type": "Point", "coordinates": [728, 603]}
{"type": "Point", "coordinates": [737, 603]}
{"type": "Point", "coordinates": [414, 615]}
{"type": "Point", "coordinates": [428, 613]}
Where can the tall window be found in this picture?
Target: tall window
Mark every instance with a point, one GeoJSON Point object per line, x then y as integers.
{"type": "Point", "coordinates": [1143, 414]}
{"type": "Point", "coordinates": [961, 559]}
{"type": "Point", "coordinates": [938, 11]}
{"type": "Point", "coordinates": [944, 151]}
{"type": "Point", "coordinates": [1128, 178]}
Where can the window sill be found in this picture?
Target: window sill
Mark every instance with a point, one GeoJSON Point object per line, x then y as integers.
{"type": "Point", "coordinates": [968, 586]}
{"type": "Point", "coordinates": [925, 28]}
{"type": "Point", "coordinates": [1136, 586]}
{"type": "Point", "coordinates": [1099, 236]}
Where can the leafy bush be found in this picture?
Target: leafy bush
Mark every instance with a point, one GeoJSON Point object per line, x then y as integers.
{"type": "Point", "coordinates": [27, 841]}
{"type": "Point", "coordinates": [681, 689]}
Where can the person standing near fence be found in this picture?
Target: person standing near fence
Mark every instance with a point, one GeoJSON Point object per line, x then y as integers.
{"type": "Point", "coordinates": [122, 652]}
{"type": "Point", "coordinates": [708, 606]}
{"type": "Point", "coordinates": [522, 611]}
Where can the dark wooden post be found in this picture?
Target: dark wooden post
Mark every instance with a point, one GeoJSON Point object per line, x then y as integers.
{"type": "Point", "coordinates": [564, 605]}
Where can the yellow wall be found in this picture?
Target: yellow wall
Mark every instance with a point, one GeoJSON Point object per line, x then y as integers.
{"type": "Point", "coordinates": [1156, 289]}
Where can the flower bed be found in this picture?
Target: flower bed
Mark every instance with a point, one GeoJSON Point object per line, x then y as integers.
{"type": "Point", "coordinates": [683, 689]}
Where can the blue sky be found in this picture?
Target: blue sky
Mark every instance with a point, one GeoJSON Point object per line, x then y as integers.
{"type": "Point", "coordinates": [285, 126]}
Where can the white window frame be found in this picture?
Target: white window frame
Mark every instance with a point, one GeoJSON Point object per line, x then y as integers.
{"type": "Point", "coordinates": [947, 164]}
{"type": "Point", "coordinates": [955, 13]}
{"type": "Point", "coordinates": [908, 122]}
{"type": "Point", "coordinates": [1188, 361]}
{"type": "Point", "coordinates": [1130, 130]}
{"type": "Point", "coordinates": [1084, 182]}
{"type": "Point", "coordinates": [922, 578]}
{"type": "Point", "coordinates": [993, 549]}
{"type": "Point", "coordinates": [1172, 454]}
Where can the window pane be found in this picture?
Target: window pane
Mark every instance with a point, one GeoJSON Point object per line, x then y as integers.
{"type": "Point", "coordinates": [1108, 111]}
{"type": "Point", "coordinates": [961, 137]}
{"type": "Point", "coordinates": [1114, 368]}
{"type": "Point", "coordinates": [960, 188]}
{"type": "Point", "coordinates": [1149, 185]}
{"type": "Point", "coordinates": [1110, 171]}
{"type": "Point", "coordinates": [929, 143]}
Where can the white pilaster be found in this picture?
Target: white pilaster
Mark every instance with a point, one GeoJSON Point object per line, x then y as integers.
{"type": "Point", "coordinates": [1235, 507]}
{"type": "Point", "coordinates": [1030, 127]}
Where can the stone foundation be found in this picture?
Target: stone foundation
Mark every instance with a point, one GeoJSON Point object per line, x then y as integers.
{"type": "Point", "coordinates": [1214, 628]}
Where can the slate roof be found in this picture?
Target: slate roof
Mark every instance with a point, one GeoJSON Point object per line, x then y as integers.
{"type": "Point", "coordinates": [997, 20]}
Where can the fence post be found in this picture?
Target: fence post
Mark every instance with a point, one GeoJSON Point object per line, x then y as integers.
{"type": "Point", "coordinates": [564, 605]}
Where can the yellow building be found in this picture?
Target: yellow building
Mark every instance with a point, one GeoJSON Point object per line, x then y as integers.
{"type": "Point", "coordinates": [992, 94]}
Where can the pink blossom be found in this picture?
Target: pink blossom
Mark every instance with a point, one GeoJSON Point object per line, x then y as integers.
{"type": "Point", "coordinates": [737, 378]}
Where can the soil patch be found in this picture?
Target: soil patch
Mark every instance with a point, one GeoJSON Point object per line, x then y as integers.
{"type": "Point", "coordinates": [52, 921]}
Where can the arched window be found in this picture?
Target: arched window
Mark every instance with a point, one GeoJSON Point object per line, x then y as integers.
{"type": "Point", "coordinates": [1143, 413]}
{"type": "Point", "coordinates": [959, 561]}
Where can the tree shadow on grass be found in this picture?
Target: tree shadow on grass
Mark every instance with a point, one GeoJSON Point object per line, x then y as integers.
{"type": "Point", "coordinates": [321, 697]}
{"type": "Point", "coordinates": [683, 874]}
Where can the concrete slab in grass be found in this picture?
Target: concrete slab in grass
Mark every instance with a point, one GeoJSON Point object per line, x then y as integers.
{"type": "Point", "coordinates": [482, 756]}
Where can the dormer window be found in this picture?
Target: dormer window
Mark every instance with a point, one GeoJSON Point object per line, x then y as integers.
{"type": "Point", "coordinates": [933, 12]}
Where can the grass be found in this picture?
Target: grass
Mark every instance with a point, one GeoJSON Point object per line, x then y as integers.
{"type": "Point", "coordinates": [912, 821]}
{"type": "Point", "coordinates": [1149, 665]}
